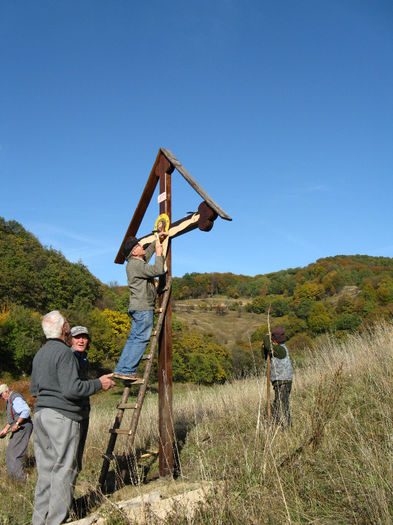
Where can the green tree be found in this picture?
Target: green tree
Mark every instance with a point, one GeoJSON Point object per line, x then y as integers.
{"type": "Point", "coordinates": [348, 321]}
{"type": "Point", "coordinates": [385, 291]}
{"type": "Point", "coordinates": [199, 359]}
{"type": "Point", "coordinates": [258, 305]}
{"type": "Point", "coordinates": [308, 290]}
{"type": "Point", "coordinates": [303, 308]}
{"type": "Point", "coordinates": [280, 307]}
{"type": "Point", "coordinates": [20, 338]}
{"type": "Point", "coordinates": [320, 319]}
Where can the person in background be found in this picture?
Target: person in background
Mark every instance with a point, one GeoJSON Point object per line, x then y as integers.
{"type": "Point", "coordinates": [60, 392]}
{"type": "Point", "coordinates": [80, 341]}
{"type": "Point", "coordinates": [281, 375]}
{"type": "Point", "coordinates": [20, 425]}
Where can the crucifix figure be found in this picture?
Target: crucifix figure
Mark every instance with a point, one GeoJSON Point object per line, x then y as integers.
{"type": "Point", "coordinates": [203, 219]}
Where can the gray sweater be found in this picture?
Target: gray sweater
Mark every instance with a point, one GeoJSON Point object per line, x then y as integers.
{"type": "Point", "coordinates": [55, 380]}
{"type": "Point", "coordinates": [140, 276]}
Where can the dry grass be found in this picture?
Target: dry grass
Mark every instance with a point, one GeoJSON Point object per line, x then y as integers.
{"type": "Point", "coordinates": [335, 465]}
{"type": "Point", "coordinates": [227, 329]}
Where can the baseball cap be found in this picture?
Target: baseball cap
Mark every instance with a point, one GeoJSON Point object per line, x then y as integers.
{"type": "Point", "coordinates": [78, 330]}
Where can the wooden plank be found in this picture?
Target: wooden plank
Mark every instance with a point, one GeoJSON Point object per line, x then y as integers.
{"type": "Point", "coordinates": [193, 183]}
{"type": "Point", "coordinates": [122, 406]}
{"type": "Point", "coordinates": [188, 223]}
{"type": "Point", "coordinates": [160, 166]}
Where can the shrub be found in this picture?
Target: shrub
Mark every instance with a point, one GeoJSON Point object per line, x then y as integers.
{"type": "Point", "coordinates": [348, 321]}
{"type": "Point", "coordinates": [280, 307]}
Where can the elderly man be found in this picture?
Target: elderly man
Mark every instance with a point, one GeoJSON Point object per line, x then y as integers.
{"type": "Point", "coordinates": [56, 384]}
{"type": "Point", "coordinates": [80, 340]}
{"type": "Point", "coordinates": [19, 423]}
{"type": "Point", "coordinates": [140, 277]}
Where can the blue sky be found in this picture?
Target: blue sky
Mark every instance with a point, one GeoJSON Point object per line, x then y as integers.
{"type": "Point", "coordinates": [281, 110]}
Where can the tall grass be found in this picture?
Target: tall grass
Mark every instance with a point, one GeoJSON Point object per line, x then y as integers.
{"type": "Point", "coordinates": [334, 465]}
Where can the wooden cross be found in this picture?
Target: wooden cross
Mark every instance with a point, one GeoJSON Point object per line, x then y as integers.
{"type": "Point", "coordinates": [203, 219]}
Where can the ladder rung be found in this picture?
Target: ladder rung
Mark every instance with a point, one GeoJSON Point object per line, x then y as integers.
{"type": "Point", "coordinates": [129, 383]}
{"type": "Point", "coordinates": [149, 454]}
{"type": "Point", "coordinates": [119, 431]}
{"type": "Point", "coordinates": [158, 311]}
{"type": "Point", "coordinates": [138, 382]}
{"type": "Point", "coordinates": [154, 333]}
{"type": "Point", "coordinates": [146, 356]}
{"type": "Point", "coordinates": [127, 405]}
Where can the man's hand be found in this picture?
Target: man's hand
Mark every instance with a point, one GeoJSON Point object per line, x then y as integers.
{"type": "Point", "coordinates": [15, 427]}
{"type": "Point", "coordinates": [4, 431]}
{"type": "Point", "coordinates": [106, 382]}
{"type": "Point", "coordinates": [159, 250]}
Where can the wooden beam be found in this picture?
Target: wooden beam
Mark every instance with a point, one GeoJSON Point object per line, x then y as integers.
{"type": "Point", "coordinates": [165, 419]}
{"type": "Point", "coordinates": [176, 229]}
{"type": "Point", "coordinates": [193, 183]}
{"type": "Point", "coordinates": [161, 166]}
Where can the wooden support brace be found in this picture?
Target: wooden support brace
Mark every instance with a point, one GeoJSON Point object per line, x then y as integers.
{"type": "Point", "coordinates": [127, 405]}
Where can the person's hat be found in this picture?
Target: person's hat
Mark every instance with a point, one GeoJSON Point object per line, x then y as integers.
{"type": "Point", "coordinates": [78, 330]}
{"type": "Point", "coordinates": [128, 245]}
{"type": "Point", "coordinates": [3, 388]}
{"type": "Point", "coordinates": [278, 334]}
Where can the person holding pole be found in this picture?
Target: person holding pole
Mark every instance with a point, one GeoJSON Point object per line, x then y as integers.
{"type": "Point", "coordinates": [281, 374]}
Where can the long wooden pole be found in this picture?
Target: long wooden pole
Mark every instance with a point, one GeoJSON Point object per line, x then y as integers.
{"type": "Point", "coordinates": [165, 421]}
{"type": "Point", "coordinates": [269, 410]}
{"type": "Point", "coordinates": [268, 388]}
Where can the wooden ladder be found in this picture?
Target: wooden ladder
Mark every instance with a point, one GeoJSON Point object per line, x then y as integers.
{"type": "Point", "coordinates": [137, 407]}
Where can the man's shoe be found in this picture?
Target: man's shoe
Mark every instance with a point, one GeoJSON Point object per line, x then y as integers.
{"type": "Point", "coordinates": [125, 377]}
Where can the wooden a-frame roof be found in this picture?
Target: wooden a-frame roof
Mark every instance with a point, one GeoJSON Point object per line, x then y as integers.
{"type": "Point", "coordinates": [165, 162]}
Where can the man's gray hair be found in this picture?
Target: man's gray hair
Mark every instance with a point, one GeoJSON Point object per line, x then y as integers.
{"type": "Point", "coordinates": [52, 324]}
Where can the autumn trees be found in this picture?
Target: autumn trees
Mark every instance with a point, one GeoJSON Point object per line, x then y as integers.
{"type": "Point", "coordinates": [336, 294]}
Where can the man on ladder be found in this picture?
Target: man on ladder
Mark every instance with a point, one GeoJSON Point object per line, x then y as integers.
{"type": "Point", "coordinates": [140, 277]}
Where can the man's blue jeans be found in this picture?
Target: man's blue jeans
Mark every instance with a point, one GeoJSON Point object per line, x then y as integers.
{"type": "Point", "coordinates": [142, 326]}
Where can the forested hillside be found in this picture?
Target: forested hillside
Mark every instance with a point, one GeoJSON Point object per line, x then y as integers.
{"type": "Point", "coordinates": [338, 294]}
{"type": "Point", "coordinates": [35, 280]}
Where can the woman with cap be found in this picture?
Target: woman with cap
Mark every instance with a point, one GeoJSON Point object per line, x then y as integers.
{"type": "Point", "coordinates": [281, 374]}
{"type": "Point", "coordinates": [80, 344]}
{"type": "Point", "coordinates": [20, 425]}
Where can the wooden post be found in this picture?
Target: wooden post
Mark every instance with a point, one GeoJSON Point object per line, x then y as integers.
{"type": "Point", "coordinates": [269, 410]}
{"type": "Point", "coordinates": [165, 421]}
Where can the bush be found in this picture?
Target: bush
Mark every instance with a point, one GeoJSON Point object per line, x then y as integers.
{"type": "Point", "coordinates": [348, 321]}
{"type": "Point", "coordinates": [279, 308]}
{"type": "Point", "coordinates": [20, 338]}
{"type": "Point", "coordinates": [258, 305]}
{"type": "Point", "coordinates": [319, 319]}
{"type": "Point", "coordinates": [299, 342]}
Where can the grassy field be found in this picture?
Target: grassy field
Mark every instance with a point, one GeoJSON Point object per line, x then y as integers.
{"type": "Point", "coordinates": [228, 328]}
{"type": "Point", "coordinates": [333, 466]}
